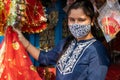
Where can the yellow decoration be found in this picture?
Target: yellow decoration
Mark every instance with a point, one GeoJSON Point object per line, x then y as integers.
{"type": "Point", "coordinates": [24, 56]}
{"type": "Point", "coordinates": [9, 60]}
{"type": "Point", "coordinates": [15, 45]}
{"type": "Point", "coordinates": [19, 73]}
{"type": "Point", "coordinates": [32, 67]}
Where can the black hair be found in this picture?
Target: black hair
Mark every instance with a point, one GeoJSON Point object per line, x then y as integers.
{"type": "Point", "coordinates": [86, 5]}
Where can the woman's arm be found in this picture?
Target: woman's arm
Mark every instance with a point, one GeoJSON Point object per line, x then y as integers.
{"type": "Point", "coordinates": [98, 63]}
{"type": "Point", "coordinates": [45, 58]}
{"type": "Point", "coordinates": [96, 70]}
{"type": "Point", "coordinates": [33, 51]}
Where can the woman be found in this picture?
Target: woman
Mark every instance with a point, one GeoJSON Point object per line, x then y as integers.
{"type": "Point", "coordinates": [80, 56]}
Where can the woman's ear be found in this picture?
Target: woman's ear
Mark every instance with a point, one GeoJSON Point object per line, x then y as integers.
{"type": "Point", "coordinates": [92, 23]}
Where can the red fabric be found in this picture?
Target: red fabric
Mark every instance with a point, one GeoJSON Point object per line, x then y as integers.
{"type": "Point", "coordinates": [16, 62]}
{"type": "Point", "coordinates": [113, 72]}
{"type": "Point", "coordinates": [47, 73]}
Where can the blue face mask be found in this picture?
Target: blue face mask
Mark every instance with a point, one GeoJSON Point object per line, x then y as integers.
{"type": "Point", "coordinates": [79, 31]}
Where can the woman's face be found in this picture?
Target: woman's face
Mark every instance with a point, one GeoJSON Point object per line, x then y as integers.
{"type": "Point", "coordinates": [77, 16]}
{"type": "Point", "coordinates": [79, 24]}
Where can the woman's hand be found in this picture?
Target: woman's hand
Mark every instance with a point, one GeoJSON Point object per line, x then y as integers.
{"type": "Point", "coordinates": [29, 47]}
{"type": "Point", "coordinates": [21, 37]}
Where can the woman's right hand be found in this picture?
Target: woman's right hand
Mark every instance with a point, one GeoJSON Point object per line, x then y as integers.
{"type": "Point", "coordinates": [28, 46]}
{"type": "Point", "coordinates": [21, 37]}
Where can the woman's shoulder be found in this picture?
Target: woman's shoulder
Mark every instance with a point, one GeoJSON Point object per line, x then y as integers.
{"type": "Point", "coordinates": [101, 52]}
{"type": "Point", "coordinates": [98, 44]}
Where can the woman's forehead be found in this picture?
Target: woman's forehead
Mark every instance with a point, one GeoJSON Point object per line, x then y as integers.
{"type": "Point", "coordinates": [77, 13]}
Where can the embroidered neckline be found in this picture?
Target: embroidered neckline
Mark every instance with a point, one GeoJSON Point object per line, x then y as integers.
{"type": "Point", "coordinates": [69, 59]}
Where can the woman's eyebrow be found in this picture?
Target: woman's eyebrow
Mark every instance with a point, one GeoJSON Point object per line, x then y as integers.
{"type": "Point", "coordinates": [81, 19]}
{"type": "Point", "coordinates": [77, 18]}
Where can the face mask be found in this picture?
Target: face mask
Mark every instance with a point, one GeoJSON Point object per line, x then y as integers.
{"type": "Point", "coordinates": [79, 31]}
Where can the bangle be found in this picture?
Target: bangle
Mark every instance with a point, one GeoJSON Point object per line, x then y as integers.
{"type": "Point", "coordinates": [28, 45]}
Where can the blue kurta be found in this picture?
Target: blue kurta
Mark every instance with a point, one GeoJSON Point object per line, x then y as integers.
{"type": "Point", "coordinates": [83, 60]}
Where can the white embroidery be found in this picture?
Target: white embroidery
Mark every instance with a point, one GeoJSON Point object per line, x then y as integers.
{"type": "Point", "coordinates": [69, 59]}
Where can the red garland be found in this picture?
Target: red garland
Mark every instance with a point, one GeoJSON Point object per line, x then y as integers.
{"type": "Point", "coordinates": [34, 29]}
{"type": "Point", "coordinates": [35, 13]}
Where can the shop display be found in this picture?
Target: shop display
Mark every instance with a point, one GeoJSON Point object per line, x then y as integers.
{"type": "Point", "coordinates": [29, 16]}
{"type": "Point", "coordinates": [35, 17]}
{"type": "Point", "coordinates": [29, 13]}
{"type": "Point", "coordinates": [47, 39]}
{"type": "Point", "coordinates": [109, 19]}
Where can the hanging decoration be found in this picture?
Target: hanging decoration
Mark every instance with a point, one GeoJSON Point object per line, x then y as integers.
{"type": "Point", "coordinates": [15, 63]}
{"type": "Point", "coordinates": [30, 14]}
{"type": "Point", "coordinates": [47, 73]}
{"type": "Point", "coordinates": [12, 14]}
{"type": "Point", "coordinates": [2, 17]}
{"type": "Point", "coordinates": [53, 19]}
{"type": "Point", "coordinates": [35, 17]}
{"type": "Point", "coordinates": [6, 13]}
{"type": "Point", "coordinates": [11, 6]}
{"type": "Point", "coordinates": [109, 19]}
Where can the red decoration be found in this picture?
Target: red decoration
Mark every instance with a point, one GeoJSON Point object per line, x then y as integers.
{"type": "Point", "coordinates": [35, 17]}
{"type": "Point", "coordinates": [109, 19]}
{"type": "Point", "coordinates": [47, 73]}
{"type": "Point", "coordinates": [34, 29]}
{"type": "Point", "coordinates": [113, 72]}
{"type": "Point", "coordinates": [30, 13]}
{"type": "Point", "coordinates": [110, 25]}
{"type": "Point", "coordinates": [16, 64]}
{"type": "Point", "coordinates": [4, 11]}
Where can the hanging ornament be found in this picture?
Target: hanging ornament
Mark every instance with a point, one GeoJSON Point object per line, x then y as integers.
{"type": "Point", "coordinates": [109, 19]}
{"type": "Point", "coordinates": [2, 17]}
{"type": "Point", "coordinates": [30, 14]}
{"type": "Point", "coordinates": [15, 63]}
{"type": "Point", "coordinates": [35, 17]}
{"type": "Point", "coordinates": [11, 11]}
